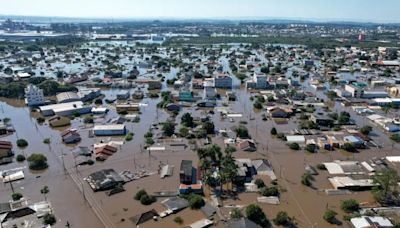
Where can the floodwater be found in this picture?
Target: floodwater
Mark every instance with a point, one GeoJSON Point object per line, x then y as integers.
{"type": "Point", "coordinates": [75, 202]}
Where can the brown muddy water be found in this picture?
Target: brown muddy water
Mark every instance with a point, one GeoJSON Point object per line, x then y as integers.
{"type": "Point", "coordinates": [306, 205]}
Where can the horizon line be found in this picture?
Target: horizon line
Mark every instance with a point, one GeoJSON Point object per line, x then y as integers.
{"type": "Point", "coordinates": [243, 18]}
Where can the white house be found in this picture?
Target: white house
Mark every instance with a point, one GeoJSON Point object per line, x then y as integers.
{"type": "Point", "coordinates": [34, 96]}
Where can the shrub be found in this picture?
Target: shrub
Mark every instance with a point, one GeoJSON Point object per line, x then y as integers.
{"type": "Point", "coordinates": [139, 194]}
{"type": "Point", "coordinates": [20, 158]}
{"type": "Point", "coordinates": [255, 214]}
{"type": "Point", "coordinates": [37, 161]}
{"type": "Point", "coordinates": [149, 141]}
{"type": "Point", "coordinates": [22, 143]}
{"type": "Point", "coordinates": [310, 148]}
{"type": "Point", "coordinates": [366, 130]}
{"type": "Point", "coordinates": [281, 218]}
{"type": "Point", "coordinates": [178, 220]}
{"type": "Point", "coordinates": [259, 183]}
{"type": "Point", "coordinates": [88, 120]}
{"type": "Point", "coordinates": [306, 179]}
{"type": "Point", "coordinates": [294, 146]}
{"type": "Point", "coordinates": [49, 219]}
{"type": "Point", "coordinates": [330, 216]}
{"type": "Point", "coordinates": [395, 137]}
{"type": "Point", "coordinates": [274, 131]}
{"type": "Point", "coordinates": [350, 205]}
{"type": "Point", "coordinates": [195, 201]}
{"type": "Point", "coordinates": [321, 166]}
{"type": "Point", "coordinates": [236, 213]}
{"type": "Point", "coordinates": [129, 136]}
{"type": "Point", "coordinates": [46, 141]}
{"type": "Point", "coordinates": [40, 120]}
{"type": "Point", "coordinates": [270, 191]}
{"type": "Point", "coordinates": [349, 147]}
{"type": "Point", "coordinates": [147, 200]}
{"type": "Point", "coordinates": [16, 196]}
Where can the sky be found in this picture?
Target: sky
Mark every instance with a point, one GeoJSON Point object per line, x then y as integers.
{"type": "Point", "coordinates": [323, 10]}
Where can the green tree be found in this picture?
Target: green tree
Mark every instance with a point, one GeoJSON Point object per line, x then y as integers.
{"type": "Point", "coordinates": [168, 128]}
{"type": "Point", "coordinates": [37, 161]}
{"type": "Point", "coordinates": [195, 201]}
{"type": "Point", "coordinates": [350, 205]}
{"type": "Point", "coordinates": [259, 183]}
{"type": "Point", "coordinates": [386, 191]}
{"type": "Point", "coordinates": [16, 196]}
{"type": "Point", "coordinates": [274, 131]}
{"type": "Point", "coordinates": [242, 132]}
{"type": "Point", "coordinates": [281, 218]}
{"type": "Point", "coordinates": [49, 219]}
{"type": "Point", "coordinates": [236, 213]}
{"type": "Point", "coordinates": [140, 193]}
{"type": "Point", "coordinates": [22, 143]}
{"type": "Point", "coordinates": [187, 120]}
{"type": "Point", "coordinates": [294, 146]}
{"type": "Point", "coordinates": [44, 191]}
{"type": "Point", "coordinates": [366, 130]}
{"type": "Point", "coordinates": [330, 216]}
{"type": "Point", "coordinates": [255, 214]}
{"type": "Point", "coordinates": [208, 126]}
{"type": "Point", "coordinates": [307, 179]}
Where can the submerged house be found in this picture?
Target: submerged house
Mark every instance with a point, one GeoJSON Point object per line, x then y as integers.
{"type": "Point", "coordinates": [186, 172]}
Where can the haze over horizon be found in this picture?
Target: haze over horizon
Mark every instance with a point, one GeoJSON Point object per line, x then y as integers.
{"type": "Point", "coordinates": [385, 11]}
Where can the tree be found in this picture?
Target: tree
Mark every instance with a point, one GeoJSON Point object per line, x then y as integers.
{"type": "Point", "coordinates": [139, 194]}
{"type": "Point", "coordinates": [195, 201]}
{"type": "Point", "coordinates": [274, 131]}
{"type": "Point", "coordinates": [184, 131]}
{"type": "Point", "coordinates": [330, 216]}
{"type": "Point", "coordinates": [386, 190]}
{"type": "Point", "coordinates": [208, 126]}
{"type": "Point", "coordinates": [45, 190]}
{"type": "Point", "coordinates": [270, 191]}
{"type": "Point", "coordinates": [255, 214]}
{"type": "Point", "coordinates": [366, 130]}
{"type": "Point", "coordinates": [22, 143]}
{"type": "Point", "coordinates": [49, 219]}
{"type": "Point", "coordinates": [187, 120]}
{"type": "Point", "coordinates": [37, 161]}
{"type": "Point", "coordinates": [350, 205]}
{"type": "Point", "coordinates": [259, 183]}
{"type": "Point", "coordinates": [344, 118]}
{"type": "Point", "coordinates": [349, 147]}
{"type": "Point", "coordinates": [20, 158]}
{"type": "Point", "coordinates": [16, 196]}
{"type": "Point", "coordinates": [147, 200]}
{"type": "Point", "coordinates": [257, 105]}
{"type": "Point", "coordinates": [281, 218]}
{"type": "Point", "coordinates": [307, 178]}
{"type": "Point", "coordinates": [294, 146]}
{"type": "Point", "coordinates": [178, 220]}
{"type": "Point", "coordinates": [236, 213]}
{"type": "Point", "coordinates": [395, 137]}
{"type": "Point", "coordinates": [242, 132]}
{"type": "Point", "coordinates": [168, 128]}
{"type": "Point", "coordinates": [310, 148]}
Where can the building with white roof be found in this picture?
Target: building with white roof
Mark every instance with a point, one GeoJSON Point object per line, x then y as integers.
{"type": "Point", "coordinates": [368, 221]}
{"type": "Point", "coordinates": [65, 109]}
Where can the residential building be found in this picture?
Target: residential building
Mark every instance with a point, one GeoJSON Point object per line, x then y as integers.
{"type": "Point", "coordinates": [223, 81]}
{"type": "Point", "coordinates": [186, 172]}
{"type": "Point", "coordinates": [370, 222]}
{"type": "Point", "coordinates": [70, 136]}
{"type": "Point", "coordinates": [5, 149]}
{"type": "Point", "coordinates": [67, 97]}
{"type": "Point", "coordinates": [108, 130]}
{"type": "Point", "coordinates": [34, 96]}
{"type": "Point", "coordinates": [259, 81]}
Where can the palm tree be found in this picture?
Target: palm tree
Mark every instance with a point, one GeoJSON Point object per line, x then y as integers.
{"type": "Point", "coordinates": [44, 191]}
